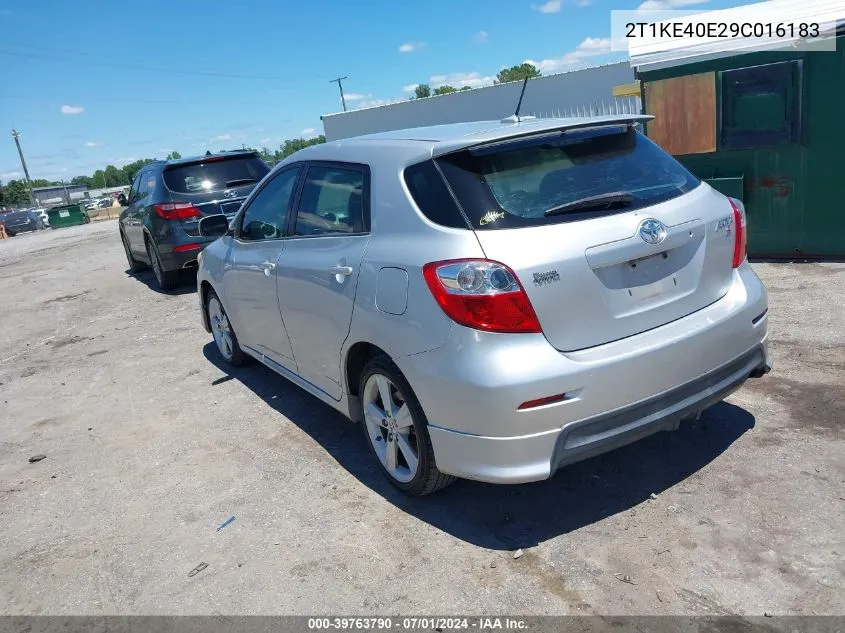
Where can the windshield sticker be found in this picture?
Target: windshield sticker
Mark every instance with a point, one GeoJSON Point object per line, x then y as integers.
{"type": "Point", "coordinates": [491, 216]}
{"type": "Point", "coordinates": [541, 279]}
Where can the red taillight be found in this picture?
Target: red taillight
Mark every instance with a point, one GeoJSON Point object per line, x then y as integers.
{"type": "Point", "coordinates": [740, 235]}
{"type": "Point", "coordinates": [481, 294]}
{"type": "Point", "coordinates": [539, 402]}
{"type": "Point", "coordinates": [177, 211]}
{"type": "Point", "coordinates": [186, 247]}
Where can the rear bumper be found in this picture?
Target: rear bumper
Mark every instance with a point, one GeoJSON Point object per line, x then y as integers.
{"type": "Point", "coordinates": [616, 393]}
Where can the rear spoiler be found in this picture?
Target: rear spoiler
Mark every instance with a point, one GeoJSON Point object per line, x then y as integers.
{"type": "Point", "coordinates": [199, 160]}
{"type": "Point", "coordinates": [538, 128]}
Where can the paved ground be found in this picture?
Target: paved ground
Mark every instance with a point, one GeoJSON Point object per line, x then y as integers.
{"type": "Point", "coordinates": [151, 444]}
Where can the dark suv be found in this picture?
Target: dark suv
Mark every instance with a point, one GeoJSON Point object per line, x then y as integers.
{"type": "Point", "coordinates": [159, 226]}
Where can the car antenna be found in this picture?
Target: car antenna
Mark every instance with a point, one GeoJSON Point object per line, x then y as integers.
{"type": "Point", "coordinates": [208, 152]}
{"type": "Point", "coordinates": [514, 118]}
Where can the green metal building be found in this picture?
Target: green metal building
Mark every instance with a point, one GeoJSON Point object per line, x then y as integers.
{"type": "Point", "coordinates": [766, 127]}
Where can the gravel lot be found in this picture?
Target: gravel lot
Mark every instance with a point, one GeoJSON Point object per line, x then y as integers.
{"type": "Point", "coordinates": [151, 444]}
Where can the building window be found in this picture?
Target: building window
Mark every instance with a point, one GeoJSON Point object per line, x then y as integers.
{"type": "Point", "coordinates": [761, 106]}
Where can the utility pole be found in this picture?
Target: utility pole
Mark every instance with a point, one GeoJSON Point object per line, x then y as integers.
{"type": "Point", "coordinates": [15, 135]}
{"type": "Point", "coordinates": [340, 85]}
{"type": "Point", "coordinates": [67, 195]}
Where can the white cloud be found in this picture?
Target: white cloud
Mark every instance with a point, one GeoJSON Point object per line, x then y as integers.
{"type": "Point", "coordinates": [371, 103]}
{"type": "Point", "coordinates": [265, 140]}
{"type": "Point", "coordinates": [308, 132]}
{"type": "Point", "coordinates": [410, 87]}
{"type": "Point", "coordinates": [92, 144]}
{"type": "Point", "coordinates": [223, 137]}
{"type": "Point", "coordinates": [552, 6]}
{"type": "Point", "coordinates": [165, 150]}
{"type": "Point", "coordinates": [590, 47]}
{"type": "Point", "coordinates": [657, 5]}
{"type": "Point", "coordinates": [480, 37]}
{"type": "Point", "coordinates": [354, 96]}
{"type": "Point", "coordinates": [583, 3]}
{"type": "Point", "coordinates": [410, 47]}
{"type": "Point", "coordinates": [119, 162]}
{"type": "Point", "coordinates": [69, 109]}
{"type": "Point", "coordinates": [11, 175]}
{"type": "Point", "coordinates": [461, 80]}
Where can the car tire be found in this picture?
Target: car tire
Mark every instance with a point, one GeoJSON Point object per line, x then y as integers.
{"type": "Point", "coordinates": [397, 433]}
{"type": "Point", "coordinates": [134, 265]}
{"type": "Point", "coordinates": [224, 334]}
{"type": "Point", "coordinates": [166, 279]}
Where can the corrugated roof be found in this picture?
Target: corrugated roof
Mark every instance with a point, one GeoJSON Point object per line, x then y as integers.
{"type": "Point", "coordinates": [652, 54]}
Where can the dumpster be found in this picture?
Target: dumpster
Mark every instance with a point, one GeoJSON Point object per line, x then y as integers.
{"type": "Point", "coordinates": [68, 215]}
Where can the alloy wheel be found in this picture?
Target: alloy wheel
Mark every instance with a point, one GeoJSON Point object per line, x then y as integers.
{"type": "Point", "coordinates": [220, 328]}
{"type": "Point", "coordinates": [390, 428]}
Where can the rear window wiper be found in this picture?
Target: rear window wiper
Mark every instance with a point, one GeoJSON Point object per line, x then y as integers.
{"type": "Point", "coordinates": [601, 201]}
{"type": "Point", "coordinates": [240, 181]}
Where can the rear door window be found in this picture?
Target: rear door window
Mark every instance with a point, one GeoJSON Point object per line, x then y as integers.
{"type": "Point", "coordinates": [215, 174]}
{"type": "Point", "coordinates": [331, 202]}
{"type": "Point", "coordinates": [549, 178]}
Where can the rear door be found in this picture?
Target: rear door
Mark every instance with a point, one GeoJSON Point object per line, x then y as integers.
{"type": "Point", "coordinates": [133, 225]}
{"type": "Point", "coordinates": [608, 234]}
{"type": "Point", "coordinates": [317, 273]}
{"type": "Point", "coordinates": [213, 184]}
{"type": "Point", "coordinates": [250, 286]}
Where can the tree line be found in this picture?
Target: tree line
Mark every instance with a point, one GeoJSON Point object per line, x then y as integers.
{"type": "Point", "coordinates": [15, 194]}
{"type": "Point", "coordinates": [514, 73]}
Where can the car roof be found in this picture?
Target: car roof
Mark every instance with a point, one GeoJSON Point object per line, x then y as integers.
{"type": "Point", "coordinates": [443, 139]}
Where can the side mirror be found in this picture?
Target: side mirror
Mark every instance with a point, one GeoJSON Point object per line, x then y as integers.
{"type": "Point", "coordinates": [214, 226]}
{"type": "Point", "coordinates": [121, 200]}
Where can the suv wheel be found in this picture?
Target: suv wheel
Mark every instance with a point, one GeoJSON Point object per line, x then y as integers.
{"type": "Point", "coordinates": [224, 334]}
{"type": "Point", "coordinates": [134, 264]}
{"type": "Point", "coordinates": [166, 279]}
{"type": "Point", "coordinates": [397, 430]}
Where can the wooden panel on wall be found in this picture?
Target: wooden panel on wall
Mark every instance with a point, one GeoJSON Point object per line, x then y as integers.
{"type": "Point", "coordinates": [685, 113]}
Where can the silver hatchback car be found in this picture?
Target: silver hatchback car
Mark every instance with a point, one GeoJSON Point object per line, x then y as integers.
{"type": "Point", "coordinates": [494, 300]}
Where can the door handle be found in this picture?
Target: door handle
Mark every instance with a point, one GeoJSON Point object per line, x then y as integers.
{"type": "Point", "coordinates": [268, 267]}
{"type": "Point", "coordinates": [341, 270]}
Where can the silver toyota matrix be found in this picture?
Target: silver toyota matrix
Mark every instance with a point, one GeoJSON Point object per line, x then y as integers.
{"type": "Point", "coordinates": [493, 300]}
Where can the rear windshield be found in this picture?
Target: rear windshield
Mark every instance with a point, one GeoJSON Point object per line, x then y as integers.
{"type": "Point", "coordinates": [519, 182]}
{"type": "Point", "coordinates": [215, 175]}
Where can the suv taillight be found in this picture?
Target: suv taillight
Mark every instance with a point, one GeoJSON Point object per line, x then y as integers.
{"type": "Point", "coordinates": [740, 234]}
{"type": "Point", "coordinates": [177, 211]}
{"type": "Point", "coordinates": [481, 294]}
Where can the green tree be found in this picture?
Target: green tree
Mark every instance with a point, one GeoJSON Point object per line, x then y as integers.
{"type": "Point", "coordinates": [465, 88]}
{"type": "Point", "coordinates": [422, 91]}
{"type": "Point", "coordinates": [16, 194]}
{"type": "Point", "coordinates": [85, 181]}
{"type": "Point", "coordinates": [174, 156]}
{"type": "Point", "coordinates": [131, 169]}
{"type": "Point", "coordinates": [517, 73]}
{"type": "Point", "coordinates": [43, 182]}
{"type": "Point", "coordinates": [444, 90]}
{"type": "Point", "coordinates": [294, 145]}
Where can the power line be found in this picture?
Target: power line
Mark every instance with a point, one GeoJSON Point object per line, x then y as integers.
{"type": "Point", "coordinates": [157, 70]}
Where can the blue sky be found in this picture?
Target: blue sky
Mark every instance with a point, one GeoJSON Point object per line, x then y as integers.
{"type": "Point", "coordinates": [110, 82]}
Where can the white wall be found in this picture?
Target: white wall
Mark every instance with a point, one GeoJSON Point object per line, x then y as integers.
{"type": "Point", "coordinates": [544, 96]}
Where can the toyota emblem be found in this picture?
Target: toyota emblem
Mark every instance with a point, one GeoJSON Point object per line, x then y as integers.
{"type": "Point", "coordinates": [652, 231]}
{"type": "Point", "coordinates": [230, 193]}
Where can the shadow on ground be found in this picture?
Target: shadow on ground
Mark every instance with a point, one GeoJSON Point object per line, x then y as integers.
{"type": "Point", "coordinates": [509, 517]}
{"type": "Point", "coordinates": [187, 285]}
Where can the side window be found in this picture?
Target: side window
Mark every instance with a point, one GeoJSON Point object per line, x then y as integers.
{"type": "Point", "coordinates": [332, 202]}
{"type": "Point", "coordinates": [267, 214]}
{"type": "Point", "coordinates": [142, 185]}
{"type": "Point", "coordinates": [133, 193]}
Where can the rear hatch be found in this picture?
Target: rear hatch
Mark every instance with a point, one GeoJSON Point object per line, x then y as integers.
{"type": "Point", "coordinates": [608, 234]}
{"type": "Point", "coordinates": [213, 184]}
